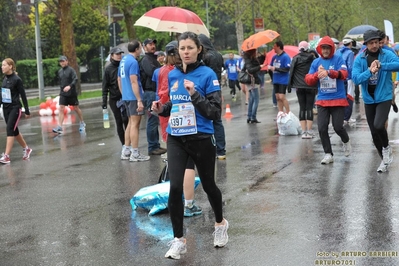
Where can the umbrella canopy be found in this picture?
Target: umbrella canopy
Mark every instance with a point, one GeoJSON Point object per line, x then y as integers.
{"type": "Point", "coordinates": [358, 31]}
{"type": "Point", "coordinates": [172, 19]}
{"type": "Point", "coordinates": [258, 39]}
{"type": "Point", "coordinates": [289, 49]}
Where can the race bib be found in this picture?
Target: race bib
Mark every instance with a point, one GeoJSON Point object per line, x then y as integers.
{"type": "Point", "coordinates": [328, 85]}
{"type": "Point", "coordinates": [6, 95]}
{"type": "Point", "coordinates": [182, 119]}
{"type": "Point", "coordinates": [232, 69]}
{"type": "Point", "coordinates": [373, 79]}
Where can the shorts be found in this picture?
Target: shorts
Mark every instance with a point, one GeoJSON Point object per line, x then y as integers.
{"type": "Point", "coordinates": [280, 88]}
{"type": "Point", "coordinates": [71, 100]}
{"type": "Point", "coordinates": [131, 108]}
{"type": "Point", "coordinates": [190, 164]}
{"type": "Point", "coordinates": [12, 115]}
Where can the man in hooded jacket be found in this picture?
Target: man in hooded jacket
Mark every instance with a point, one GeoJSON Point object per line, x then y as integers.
{"type": "Point", "coordinates": [329, 72]}
{"type": "Point", "coordinates": [214, 60]}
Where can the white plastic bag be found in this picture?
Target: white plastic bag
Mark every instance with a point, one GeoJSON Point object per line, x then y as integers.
{"type": "Point", "coordinates": [288, 124]}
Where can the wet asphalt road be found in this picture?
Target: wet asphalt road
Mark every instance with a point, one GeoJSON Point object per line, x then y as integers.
{"type": "Point", "coordinates": [69, 205]}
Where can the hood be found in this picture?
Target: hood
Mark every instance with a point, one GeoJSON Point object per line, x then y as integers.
{"type": "Point", "coordinates": [326, 40]}
{"type": "Point", "coordinates": [205, 42]}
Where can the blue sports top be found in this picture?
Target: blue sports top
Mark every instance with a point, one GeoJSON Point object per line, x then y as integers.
{"type": "Point", "coordinates": [129, 66]}
{"type": "Point", "coordinates": [205, 82]}
{"type": "Point", "coordinates": [281, 61]}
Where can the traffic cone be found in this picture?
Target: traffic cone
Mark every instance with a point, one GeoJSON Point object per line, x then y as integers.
{"type": "Point", "coordinates": [228, 113]}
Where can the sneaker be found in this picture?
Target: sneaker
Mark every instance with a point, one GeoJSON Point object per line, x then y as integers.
{"type": "Point", "coordinates": [138, 157]}
{"type": "Point", "coordinates": [5, 159]}
{"type": "Point", "coordinates": [220, 234]}
{"type": "Point", "coordinates": [164, 156]}
{"type": "Point", "coordinates": [221, 157]}
{"type": "Point", "coordinates": [177, 248]}
{"type": "Point", "coordinates": [57, 130]}
{"type": "Point", "coordinates": [158, 151]}
{"type": "Point", "coordinates": [27, 153]}
{"type": "Point", "coordinates": [328, 158]}
{"type": "Point", "coordinates": [387, 155]}
{"type": "Point", "coordinates": [382, 168]}
{"type": "Point", "coordinates": [82, 126]}
{"type": "Point", "coordinates": [191, 211]}
{"type": "Point", "coordinates": [125, 155]}
{"type": "Point", "coordinates": [275, 105]}
{"type": "Point", "coordinates": [305, 135]}
{"type": "Point", "coordinates": [310, 134]}
{"type": "Point", "coordinates": [347, 148]}
{"type": "Point", "coordinates": [352, 120]}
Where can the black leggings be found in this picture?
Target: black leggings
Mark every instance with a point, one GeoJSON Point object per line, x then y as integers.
{"type": "Point", "coordinates": [202, 151]}
{"type": "Point", "coordinates": [12, 115]}
{"type": "Point", "coordinates": [306, 101]}
{"type": "Point", "coordinates": [120, 121]}
{"type": "Point", "coordinates": [377, 115]}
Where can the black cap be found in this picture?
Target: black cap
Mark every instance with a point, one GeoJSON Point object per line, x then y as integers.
{"type": "Point", "coordinates": [116, 50]}
{"type": "Point", "coordinates": [147, 41]}
{"type": "Point", "coordinates": [62, 58]}
{"type": "Point", "coordinates": [159, 53]}
{"type": "Point", "coordinates": [171, 48]}
{"type": "Point", "coordinates": [371, 35]}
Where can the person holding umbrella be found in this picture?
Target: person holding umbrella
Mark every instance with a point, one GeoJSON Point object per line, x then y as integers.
{"type": "Point", "coordinates": [195, 101]}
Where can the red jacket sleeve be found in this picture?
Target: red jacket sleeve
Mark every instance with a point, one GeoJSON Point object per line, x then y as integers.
{"type": "Point", "coordinates": [311, 79]}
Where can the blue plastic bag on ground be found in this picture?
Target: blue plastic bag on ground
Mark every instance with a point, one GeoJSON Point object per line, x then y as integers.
{"type": "Point", "coordinates": [154, 198]}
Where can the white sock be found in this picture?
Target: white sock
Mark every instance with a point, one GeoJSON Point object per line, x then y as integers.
{"type": "Point", "coordinates": [188, 203]}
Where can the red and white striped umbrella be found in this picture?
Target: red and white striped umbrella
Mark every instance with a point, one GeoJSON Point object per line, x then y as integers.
{"type": "Point", "coordinates": [172, 19]}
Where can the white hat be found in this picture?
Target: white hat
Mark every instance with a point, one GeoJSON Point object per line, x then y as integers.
{"type": "Point", "coordinates": [346, 41]}
{"type": "Point", "coordinates": [303, 45]}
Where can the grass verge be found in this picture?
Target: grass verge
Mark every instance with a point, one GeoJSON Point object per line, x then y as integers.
{"type": "Point", "coordinates": [84, 95]}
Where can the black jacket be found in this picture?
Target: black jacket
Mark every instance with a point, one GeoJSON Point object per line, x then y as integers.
{"type": "Point", "coordinates": [67, 77]}
{"type": "Point", "coordinates": [211, 57]}
{"type": "Point", "coordinates": [252, 66]}
{"type": "Point", "coordinates": [300, 66]}
{"type": "Point", "coordinates": [110, 82]}
{"type": "Point", "coordinates": [14, 83]}
{"type": "Point", "coordinates": [148, 64]}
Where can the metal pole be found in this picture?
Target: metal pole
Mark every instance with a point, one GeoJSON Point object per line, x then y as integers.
{"type": "Point", "coordinates": [207, 15]}
{"type": "Point", "coordinates": [39, 62]}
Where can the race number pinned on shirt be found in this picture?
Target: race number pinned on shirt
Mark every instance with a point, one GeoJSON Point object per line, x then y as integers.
{"type": "Point", "coordinates": [6, 95]}
{"type": "Point", "coordinates": [182, 119]}
{"type": "Point", "coordinates": [373, 79]}
{"type": "Point", "coordinates": [328, 85]}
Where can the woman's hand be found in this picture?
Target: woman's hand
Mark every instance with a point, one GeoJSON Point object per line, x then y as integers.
{"type": "Point", "coordinates": [157, 107]}
{"type": "Point", "coordinates": [190, 87]}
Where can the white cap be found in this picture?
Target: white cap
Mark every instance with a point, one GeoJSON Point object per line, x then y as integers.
{"type": "Point", "coordinates": [303, 45]}
{"type": "Point", "coordinates": [346, 41]}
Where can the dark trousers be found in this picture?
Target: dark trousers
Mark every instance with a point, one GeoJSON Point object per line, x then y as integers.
{"type": "Point", "coordinates": [202, 152]}
{"type": "Point", "coordinates": [220, 137]}
{"type": "Point", "coordinates": [120, 121]}
{"type": "Point", "coordinates": [377, 116]}
{"type": "Point", "coordinates": [357, 93]}
{"type": "Point", "coordinates": [336, 114]}
{"type": "Point", "coordinates": [348, 110]}
{"type": "Point", "coordinates": [306, 101]}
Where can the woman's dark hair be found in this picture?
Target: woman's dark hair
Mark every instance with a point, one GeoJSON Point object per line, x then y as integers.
{"type": "Point", "coordinates": [192, 36]}
{"type": "Point", "coordinates": [250, 53]}
{"type": "Point", "coordinates": [133, 45]}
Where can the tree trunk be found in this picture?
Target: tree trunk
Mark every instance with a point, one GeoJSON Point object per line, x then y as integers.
{"type": "Point", "coordinates": [131, 31]}
{"type": "Point", "coordinates": [67, 37]}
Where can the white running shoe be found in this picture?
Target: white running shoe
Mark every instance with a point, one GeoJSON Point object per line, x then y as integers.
{"type": "Point", "coordinates": [382, 168]}
{"type": "Point", "coordinates": [328, 158]}
{"type": "Point", "coordinates": [177, 247]}
{"type": "Point", "coordinates": [387, 155]}
{"type": "Point", "coordinates": [347, 148]}
{"type": "Point", "coordinates": [220, 235]}
{"type": "Point", "coordinates": [138, 157]}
